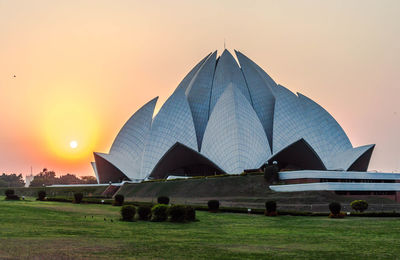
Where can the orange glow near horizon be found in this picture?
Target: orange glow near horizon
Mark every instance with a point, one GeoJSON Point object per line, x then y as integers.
{"type": "Point", "coordinates": [70, 121]}
{"type": "Point", "coordinates": [83, 68]}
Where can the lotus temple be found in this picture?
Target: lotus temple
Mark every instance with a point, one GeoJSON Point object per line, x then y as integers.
{"type": "Point", "coordinates": [228, 116]}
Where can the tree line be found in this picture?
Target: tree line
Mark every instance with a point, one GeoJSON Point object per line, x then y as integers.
{"type": "Point", "coordinates": [11, 180]}
{"type": "Point", "coordinates": [45, 177]}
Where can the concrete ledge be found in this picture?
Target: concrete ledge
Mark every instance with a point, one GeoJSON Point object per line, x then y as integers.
{"type": "Point", "coordinates": [336, 186]}
{"type": "Point", "coordinates": [310, 174]}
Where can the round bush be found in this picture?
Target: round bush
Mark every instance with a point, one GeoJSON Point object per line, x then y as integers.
{"type": "Point", "coordinates": [163, 200]}
{"type": "Point", "coordinates": [359, 205]}
{"type": "Point", "coordinates": [190, 214]}
{"type": "Point", "coordinates": [78, 197]}
{"type": "Point", "coordinates": [10, 195]}
{"type": "Point", "coordinates": [9, 192]}
{"type": "Point", "coordinates": [213, 205]}
{"type": "Point", "coordinates": [270, 206]}
{"type": "Point", "coordinates": [177, 213]}
{"type": "Point", "coordinates": [335, 208]}
{"type": "Point", "coordinates": [144, 212]}
{"type": "Point", "coordinates": [128, 212]}
{"type": "Point", "coordinates": [41, 195]}
{"type": "Point", "coordinates": [118, 200]}
{"type": "Point", "coordinates": [159, 212]}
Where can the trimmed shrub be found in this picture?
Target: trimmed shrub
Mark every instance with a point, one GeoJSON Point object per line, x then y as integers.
{"type": "Point", "coordinates": [10, 195]}
{"type": "Point", "coordinates": [359, 205]}
{"type": "Point", "coordinates": [9, 192]}
{"type": "Point", "coordinates": [159, 212]}
{"type": "Point", "coordinates": [144, 212]}
{"type": "Point", "coordinates": [41, 195]}
{"type": "Point", "coordinates": [270, 208]}
{"type": "Point", "coordinates": [190, 213]}
{"type": "Point", "coordinates": [78, 197]}
{"type": "Point", "coordinates": [213, 205]}
{"type": "Point", "coordinates": [335, 208]}
{"type": "Point", "coordinates": [177, 213]}
{"type": "Point", "coordinates": [118, 200]}
{"type": "Point", "coordinates": [128, 212]}
{"type": "Point", "coordinates": [163, 200]}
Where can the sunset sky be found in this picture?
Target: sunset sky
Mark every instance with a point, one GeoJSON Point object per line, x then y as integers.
{"type": "Point", "coordinates": [82, 68]}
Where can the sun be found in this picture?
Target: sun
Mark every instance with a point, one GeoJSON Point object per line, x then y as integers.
{"type": "Point", "coordinates": [69, 129]}
{"type": "Point", "coordinates": [73, 144]}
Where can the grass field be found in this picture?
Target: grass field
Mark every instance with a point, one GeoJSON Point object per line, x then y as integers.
{"type": "Point", "coordinates": [53, 230]}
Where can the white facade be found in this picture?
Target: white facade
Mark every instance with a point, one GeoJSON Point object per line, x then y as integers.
{"type": "Point", "coordinates": [261, 93]}
{"type": "Point", "coordinates": [173, 123]}
{"type": "Point", "coordinates": [198, 95]}
{"type": "Point", "coordinates": [234, 136]}
{"type": "Point", "coordinates": [336, 186]}
{"type": "Point", "coordinates": [235, 117]}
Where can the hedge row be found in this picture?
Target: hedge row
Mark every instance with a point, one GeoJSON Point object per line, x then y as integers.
{"type": "Point", "coordinates": [159, 213]}
{"type": "Point", "coordinates": [99, 200]}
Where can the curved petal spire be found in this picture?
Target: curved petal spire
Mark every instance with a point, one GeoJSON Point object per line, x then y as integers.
{"type": "Point", "coordinates": [131, 139]}
{"type": "Point", "coordinates": [324, 134]}
{"type": "Point", "coordinates": [259, 87]}
{"type": "Point", "coordinates": [354, 159]}
{"type": "Point", "coordinates": [269, 81]}
{"type": "Point", "coordinates": [107, 170]}
{"type": "Point", "coordinates": [198, 94]}
{"type": "Point", "coordinates": [227, 72]}
{"type": "Point", "coordinates": [288, 125]}
{"type": "Point", "coordinates": [132, 136]}
{"type": "Point", "coordinates": [186, 80]}
{"type": "Point", "coordinates": [173, 123]}
{"type": "Point", "coordinates": [234, 138]}
{"type": "Point", "coordinates": [95, 171]}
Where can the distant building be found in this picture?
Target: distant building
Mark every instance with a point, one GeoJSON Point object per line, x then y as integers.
{"type": "Point", "coordinates": [28, 180]}
{"type": "Point", "coordinates": [224, 118]}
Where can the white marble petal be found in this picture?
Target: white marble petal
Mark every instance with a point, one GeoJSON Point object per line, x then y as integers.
{"type": "Point", "coordinates": [234, 138]}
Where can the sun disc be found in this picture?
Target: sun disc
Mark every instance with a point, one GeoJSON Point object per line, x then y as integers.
{"type": "Point", "coordinates": [73, 144]}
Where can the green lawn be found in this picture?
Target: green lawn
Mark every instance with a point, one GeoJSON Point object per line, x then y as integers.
{"type": "Point", "coordinates": [53, 230]}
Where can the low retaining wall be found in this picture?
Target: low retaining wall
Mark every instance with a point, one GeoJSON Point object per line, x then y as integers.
{"type": "Point", "coordinates": [233, 191]}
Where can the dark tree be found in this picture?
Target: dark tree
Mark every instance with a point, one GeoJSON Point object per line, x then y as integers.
{"type": "Point", "coordinates": [44, 178]}
{"type": "Point", "coordinates": [11, 180]}
{"type": "Point", "coordinates": [69, 179]}
{"type": "Point", "coordinates": [47, 177]}
{"type": "Point", "coordinates": [89, 179]}
{"type": "Point", "coordinates": [3, 183]}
